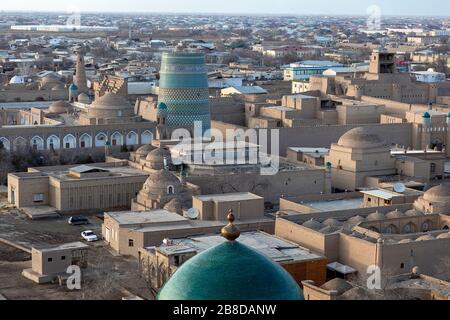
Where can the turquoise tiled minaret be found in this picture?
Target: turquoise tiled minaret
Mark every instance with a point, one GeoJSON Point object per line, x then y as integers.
{"type": "Point", "coordinates": [183, 88]}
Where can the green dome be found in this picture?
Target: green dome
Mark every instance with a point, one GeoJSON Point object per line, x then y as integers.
{"type": "Point", "coordinates": [231, 271]}
{"type": "Point", "coordinates": [426, 115]}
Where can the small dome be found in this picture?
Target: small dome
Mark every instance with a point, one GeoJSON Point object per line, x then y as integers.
{"type": "Point", "coordinates": [337, 284]}
{"type": "Point", "coordinates": [174, 205]}
{"type": "Point", "coordinates": [404, 241]}
{"type": "Point", "coordinates": [231, 271]}
{"type": "Point", "coordinates": [444, 236]}
{"type": "Point", "coordinates": [329, 229]}
{"type": "Point", "coordinates": [60, 107]}
{"type": "Point", "coordinates": [355, 220]}
{"type": "Point", "coordinates": [413, 213]}
{"type": "Point", "coordinates": [158, 183]}
{"type": "Point", "coordinates": [426, 115]}
{"type": "Point", "coordinates": [155, 158]}
{"type": "Point", "coordinates": [332, 223]}
{"type": "Point", "coordinates": [425, 238]}
{"type": "Point", "coordinates": [395, 214]}
{"type": "Point", "coordinates": [145, 150]}
{"type": "Point", "coordinates": [376, 216]}
{"type": "Point", "coordinates": [84, 98]}
{"type": "Point", "coordinates": [361, 138]}
{"type": "Point", "coordinates": [440, 193]}
{"type": "Point", "coordinates": [73, 87]}
{"type": "Point", "coordinates": [111, 101]}
{"type": "Point", "coordinates": [313, 224]}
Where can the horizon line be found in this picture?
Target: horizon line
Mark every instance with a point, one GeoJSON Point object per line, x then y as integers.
{"type": "Point", "coordinates": [224, 13]}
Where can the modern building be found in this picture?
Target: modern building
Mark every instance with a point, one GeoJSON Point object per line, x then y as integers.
{"type": "Point", "coordinates": [305, 69]}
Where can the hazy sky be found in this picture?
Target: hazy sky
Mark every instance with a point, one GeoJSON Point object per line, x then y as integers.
{"type": "Point", "coordinates": [388, 7]}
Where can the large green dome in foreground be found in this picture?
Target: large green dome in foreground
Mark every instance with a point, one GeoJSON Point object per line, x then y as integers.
{"type": "Point", "coordinates": [231, 271]}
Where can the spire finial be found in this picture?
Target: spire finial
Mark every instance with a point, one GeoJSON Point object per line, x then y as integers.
{"type": "Point", "coordinates": [230, 231]}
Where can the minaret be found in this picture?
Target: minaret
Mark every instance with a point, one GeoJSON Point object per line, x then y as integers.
{"type": "Point", "coordinates": [80, 76]}
{"type": "Point", "coordinates": [426, 130]}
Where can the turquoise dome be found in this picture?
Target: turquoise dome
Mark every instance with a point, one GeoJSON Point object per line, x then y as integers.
{"type": "Point", "coordinates": [448, 115]}
{"type": "Point", "coordinates": [162, 109]}
{"type": "Point", "coordinates": [426, 115]}
{"type": "Point", "coordinates": [231, 271]}
{"type": "Point", "coordinates": [73, 87]}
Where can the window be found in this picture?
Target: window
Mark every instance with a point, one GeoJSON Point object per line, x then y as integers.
{"type": "Point", "coordinates": [170, 190]}
{"type": "Point", "coordinates": [130, 243]}
{"type": "Point", "coordinates": [402, 266]}
{"type": "Point", "coordinates": [63, 258]}
{"type": "Point", "coordinates": [50, 259]}
{"type": "Point", "coordinates": [38, 198]}
{"type": "Point", "coordinates": [433, 168]}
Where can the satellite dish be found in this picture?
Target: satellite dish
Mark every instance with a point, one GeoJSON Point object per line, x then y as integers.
{"type": "Point", "coordinates": [192, 214]}
{"type": "Point", "coordinates": [399, 187]}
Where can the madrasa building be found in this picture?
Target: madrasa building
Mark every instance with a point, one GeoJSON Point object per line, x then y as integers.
{"type": "Point", "coordinates": [77, 125]}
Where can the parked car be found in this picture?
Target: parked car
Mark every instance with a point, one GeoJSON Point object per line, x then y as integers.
{"type": "Point", "coordinates": [89, 236]}
{"type": "Point", "coordinates": [78, 220]}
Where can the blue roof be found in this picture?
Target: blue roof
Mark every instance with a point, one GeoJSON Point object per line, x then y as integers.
{"type": "Point", "coordinates": [426, 115]}
{"type": "Point", "coordinates": [73, 87]}
{"type": "Point", "coordinates": [231, 271]}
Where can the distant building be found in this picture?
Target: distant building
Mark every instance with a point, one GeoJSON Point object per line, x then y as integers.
{"type": "Point", "coordinates": [305, 69]}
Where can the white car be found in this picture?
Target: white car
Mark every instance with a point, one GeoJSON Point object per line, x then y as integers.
{"type": "Point", "coordinates": [89, 236]}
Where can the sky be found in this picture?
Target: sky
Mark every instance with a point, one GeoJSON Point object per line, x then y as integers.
{"type": "Point", "coordinates": [300, 7]}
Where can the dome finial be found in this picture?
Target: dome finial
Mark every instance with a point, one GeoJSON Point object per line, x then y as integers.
{"type": "Point", "coordinates": [230, 231]}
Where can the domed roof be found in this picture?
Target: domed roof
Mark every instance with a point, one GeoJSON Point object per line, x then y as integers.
{"type": "Point", "coordinates": [59, 107]}
{"type": "Point", "coordinates": [405, 241]}
{"type": "Point", "coordinates": [413, 213]}
{"type": "Point", "coordinates": [73, 87]}
{"type": "Point", "coordinates": [426, 115]}
{"type": "Point", "coordinates": [163, 179]}
{"type": "Point", "coordinates": [145, 150]}
{"type": "Point", "coordinates": [425, 238]}
{"type": "Point", "coordinates": [231, 271]}
{"type": "Point", "coordinates": [337, 284]}
{"type": "Point", "coordinates": [332, 222]}
{"type": "Point", "coordinates": [111, 101]}
{"type": "Point", "coordinates": [376, 216]}
{"type": "Point", "coordinates": [313, 224]}
{"type": "Point", "coordinates": [155, 158]}
{"type": "Point", "coordinates": [444, 236]}
{"type": "Point", "coordinates": [395, 214]}
{"type": "Point", "coordinates": [162, 109]}
{"type": "Point", "coordinates": [84, 98]}
{"type": "Point", "coordinates": [355, 220]}
{"type": "Point", "coordinates": [329, 229]}
{"type": "Point", "coordinates": [361, 138]}
{"type": "Point", "coordinates": [439, 193]}
{"type": "Point", "coordinates": [174, 205]}
{"type": "Point", "coordinates": [50, 80]}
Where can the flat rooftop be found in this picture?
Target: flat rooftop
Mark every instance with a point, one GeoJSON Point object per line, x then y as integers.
{"type": "Point", "coordinates": [153, 217]}
{"type": "Point", "coordinates": [65, 246]}
{"type": "Point", "coordinates": [335, 205]}
{"type": "Point", "coordinates": [242, 196]}
{"type": "Point", "coordinates": [62, 173]}
{"type": "Point", "coordinates": [277, 249]}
